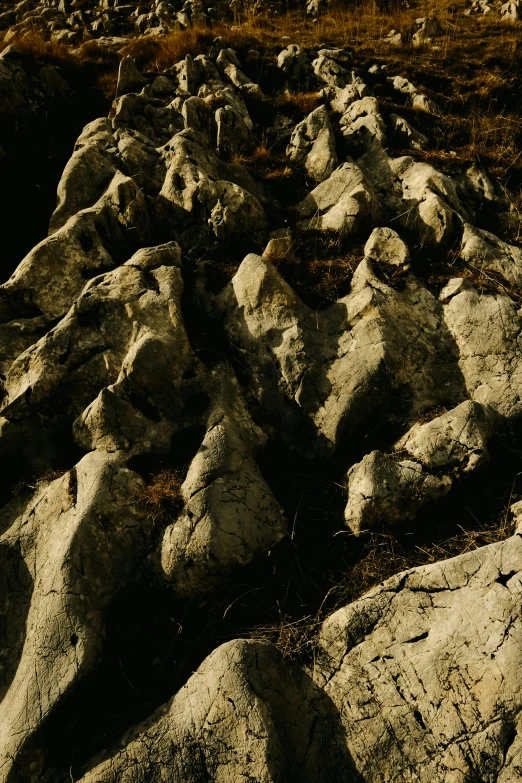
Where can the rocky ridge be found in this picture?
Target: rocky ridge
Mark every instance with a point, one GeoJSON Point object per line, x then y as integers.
{"type": "Point", "coordinates": [125, 355]}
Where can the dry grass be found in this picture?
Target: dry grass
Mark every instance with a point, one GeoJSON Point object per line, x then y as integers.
{"type": "Point", "coordinates": [35, 45]}
{"type": "Point", "coordinates": [320, 267]}
{"type": "Point", "coordinates": [161, 498]}
{"type": "Point", "coordinates": [294, 103]}
{"type": "Point", "coordinates": [295, 640]}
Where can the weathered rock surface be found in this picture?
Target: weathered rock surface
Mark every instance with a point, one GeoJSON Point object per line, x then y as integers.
{"type": "Point", "coordinates": [423, 670]}
{"type": "Point", "coordinates": [388, 695]}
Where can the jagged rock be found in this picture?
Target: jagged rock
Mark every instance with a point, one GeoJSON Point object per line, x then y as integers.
{"type": "Point", "coordinates": [341, 99]}
{"type": "Point", "coordinates": [362, 125]}
{"type": "Point", "coordinates": [316, 8]}
{"type": "Point", "coordinates": [385, 490]}
{"type": "Point", "coordinates": [228, 63]}
{"type": "Point", "coordinates": [231, 209]}
{"type": "Point", "coordinates": [405, 134]}
{"type": "Point", "coordinates": [74, 550]}
{"type": "Point", "coordinates": [312, 144]}
{"type": "Point", "coordinates": [456, 438]}
{"type": "Point", "coordinates": [426, 29]}
{"type": "Point", "coordinates": [511, 11]}
{"type": "Point", "coordinates": [386, 247]}
{"type": "Point", "coordinates": [394, 38]}
{"type": "Point", "coordinates": [310, 367]}
{"type": "Point", "coordinates": [330, 72]}
{"type": "Point", "coordinates": [129, 78]}
{"type": "Point", "coordinates": [484, 252]}
{"type": "Point", "coordinates": [341, 203]}
{"type": "Point", "coordinates": [245, 713]}
{"type": "Point", "coordinates": [454, 287]}
{"type": "Point", "coordinates": [295, 66]}
{"type": "Point", "coordinates": [279, 246]}
{"type": "Point", "coordinates": [54, 273]}
{"type": "Point", "coordinates": [97, 341]}
{"type": "Point", "coordinates": [86, 175]}
{"type": "Point", "coordinates": [230, 514]}
{"type": "Point", "coordinates": [487, 329]}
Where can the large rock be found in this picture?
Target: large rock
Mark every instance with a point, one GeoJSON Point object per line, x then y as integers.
{"type": "Point", "coordinates": [78, 550]}
{"type": "Point", "coordinates": [387, 489]}
{"type": "Point", "coordinates": [312, 145]}
{"type": "Point", "coordinates": [342, 203]}
{"type": "Point", "coordinates": [245, 714]}
{"type": "Point", "coordinates": [424, 671]}
{"type": "Point", "coordinates": [320, 366]}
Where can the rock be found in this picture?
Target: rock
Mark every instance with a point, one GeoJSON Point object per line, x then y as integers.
{"type": "Point", "coordinates": [296, 68]}
{"type": "Point", "coordinates": [394, 38]}
{"type": "Point", "coordinates": [384, 490]}
{"type": "Point", "coordinates": [341, 203]}
{"type": "Point", "coordinates": [279, 246]}
{"type": "Point", "coordinates": [405, 134]}
{"type": "Point", "coordinates": [230, 514]}
{"type": "Point", "coordinates": [129, 78]}
{"type": "Point", "coordinates": [456, 438]}
{"type": "Point", "coordinates": [397, 663]}
{"type": "Point", "coordinates": [426, 29]}
{"type": "Point", "coordinates": [231, 209]}
{"type": "Point", "coordinates": [341, 99]}
{"type": "Point", "coordinates": [312, 145]}
{"type": "Point", "coordinates": [362, 125]}
{"type": "Point", "coordinates": [515, 511]}
{"type": "Point", "coordinates": [421, 101]}
{"type": "Point", "coordinates": [454, 287]}
{"type": "Point", "coordinates": [487, 329]}
{"type": "Point", "coordinates": [78, 549]}
{"type": "Point", "coordinates": [85, 178]}
{"type": "Point", "coordinates": [312, 371]}
{"type": "Point", "coordinates": [245, 713]}
{"type": "Point", "coordinates": [229, 65]}
{"type": "Point", "coordinates": [484, 252]}
{"type": "Point", "coordinates": [511, 11]}
{"type": "Point", "coordinates": [386, 247]}
{"type": "Point", "coordinates": [330, 72]}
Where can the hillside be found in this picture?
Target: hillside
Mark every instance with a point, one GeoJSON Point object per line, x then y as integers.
{"type": "Point", "coordinates": [261, 392]}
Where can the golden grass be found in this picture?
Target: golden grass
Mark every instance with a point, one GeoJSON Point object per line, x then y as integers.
{"type": "Point", "coordinates": [295, 640]}
{"type": "Point", "coordinates": [320, 267]}
{"type": "Point", "coordinates": [161, 498]}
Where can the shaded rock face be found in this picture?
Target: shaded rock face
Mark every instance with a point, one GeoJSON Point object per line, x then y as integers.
{"type": "Point", "coordinates": [150, 399]}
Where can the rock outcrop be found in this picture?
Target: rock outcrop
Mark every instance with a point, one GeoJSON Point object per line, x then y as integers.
{"type": "Point", "coordinates": [161, 367]}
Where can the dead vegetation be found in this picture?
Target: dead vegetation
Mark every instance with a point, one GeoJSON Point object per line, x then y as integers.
{"type": "Point", "coordinates": [161, 497]}
{"type": "Point", "coordinates": [320, 267]}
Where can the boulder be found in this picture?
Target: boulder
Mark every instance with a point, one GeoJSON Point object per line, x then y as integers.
{"type": "Point", "coordinates": [312, 145]}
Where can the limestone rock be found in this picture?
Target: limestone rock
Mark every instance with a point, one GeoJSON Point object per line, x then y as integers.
{"type": "Point", "coordinates": [244, 714]}
{"type": "Point", "coordinates": [230, 514]}
{"type": "Point", "coordinates": [312, 144]}
{"type": "Point", "coordinates": [386, 246]}
{"type": "Point", "coordinates": [342, 203]}
{"type": "Point", "coordinates": [426, 659]}
{"type": "Point", "coordinates": [483, 251]}
{"type": "Point", "coordinates": [129, 78]}
{"type": "Point", "coordinates": [487, 333]}
{"type": "Point", "coordinates": [78, 549]}
{"type": "Point", "coordinates": [384, 490]}
{"type": "Point", "coordinates": [405, 134]}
